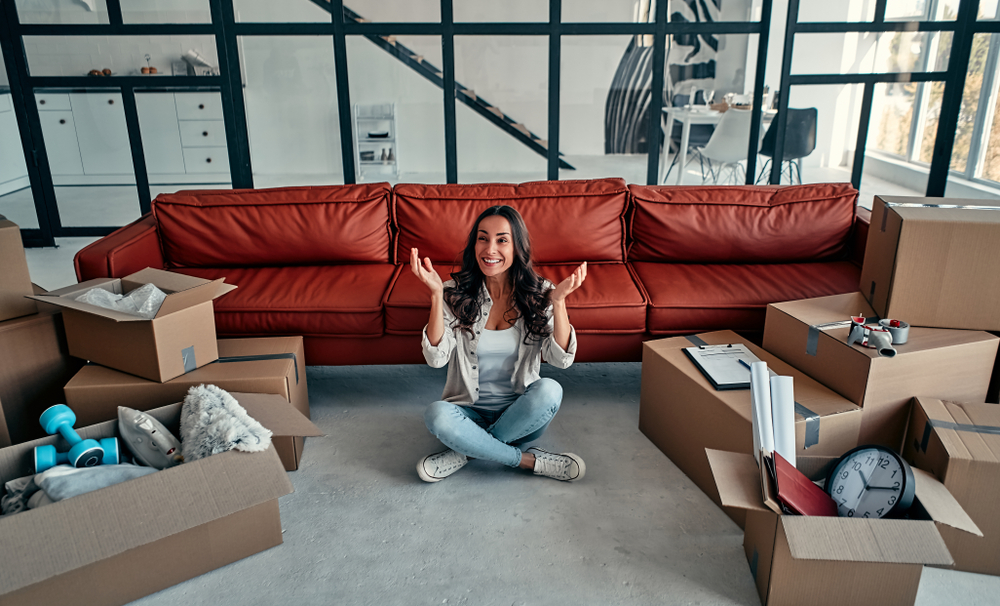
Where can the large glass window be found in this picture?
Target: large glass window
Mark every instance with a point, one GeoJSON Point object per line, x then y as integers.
{"type": "Point", "coordinates": [502, 114]}
{"type": "Point", "coordinates": [291, 96]}
{"type": "Point", "coordinates": [16, 202]}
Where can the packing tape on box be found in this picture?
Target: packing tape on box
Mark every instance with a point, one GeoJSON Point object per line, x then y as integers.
{"type": "Point", "coordinates": [812, 419]}
{"type": "Point", "coordinates": [812, 338]}
{"type": "Point", "coordinates": [278, 356]}
{"type": "Point", "coordinates": [933, 423]}
{"type": "Point", "coordinates": [254, 358]}
{"type": "Point", "coordinates": [918, 205]}
{"type": "Point", "coordinates": [187, 355]}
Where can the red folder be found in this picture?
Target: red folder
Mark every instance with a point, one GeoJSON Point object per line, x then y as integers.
{"type": "Point", "coordinates": [798, 493]}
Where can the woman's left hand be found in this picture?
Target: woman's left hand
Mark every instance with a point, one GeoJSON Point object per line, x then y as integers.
{"type": "Point", "coordinates": [571, 283]}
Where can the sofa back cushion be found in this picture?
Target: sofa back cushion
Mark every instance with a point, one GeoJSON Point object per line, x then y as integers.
{"type": "Point", "coordinates": [569, 221]}
{"type": "Point", "coordinates": [281, 226]}
{"type": "Point", "coordinates": [744, 224]}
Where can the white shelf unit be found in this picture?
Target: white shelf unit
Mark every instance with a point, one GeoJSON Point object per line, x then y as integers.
{"type": "Point", "coordinates": [375, 146]}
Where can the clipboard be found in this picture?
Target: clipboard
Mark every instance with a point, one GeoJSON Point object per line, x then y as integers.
{"type": "Point", "coordinates": [721, 364]}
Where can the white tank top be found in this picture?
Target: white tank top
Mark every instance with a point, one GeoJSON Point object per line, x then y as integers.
{"type": "Point", "coordinates": [497, 353]}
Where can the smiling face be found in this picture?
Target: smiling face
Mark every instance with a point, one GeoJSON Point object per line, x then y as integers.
{"type": "Point", "coordinates": [494, 246]}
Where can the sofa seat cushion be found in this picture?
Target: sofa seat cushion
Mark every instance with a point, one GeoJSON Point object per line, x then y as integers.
{"type": "Point", "coordinates": [608, 302]}
{"type": "Point", "coordinates": [688, 298]}
{"type": "Point", "coordinates": [320, 300]}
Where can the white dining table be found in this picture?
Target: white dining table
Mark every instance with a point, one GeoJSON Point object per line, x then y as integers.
{"type": "Point", "coordinates": [694, 115]}
{"type": "Point", "coordinates": [688, 116]}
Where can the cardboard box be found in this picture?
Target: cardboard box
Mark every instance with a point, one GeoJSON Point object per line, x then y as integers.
{"type": "Point", "coordinates": [273, 365]}
{"type": "Point", "coordinates": [117, 544]}
{"type": "Point", "coordinates": [683, 414]}
{"type": "Point", "coordinates": [934, 262]}
{"type": "Point", "coordinates": [34, 365]}
{"type": "Point", "coordinates": [950, 364]}
{"type": "Point", "coordinates": [179, 339]}
{"type": "Point", "coordinates": [960, 445]}
{"type": "Point", "coordinates": [15, 283]}
{"type": "Point", "coordinates": [798, 560]}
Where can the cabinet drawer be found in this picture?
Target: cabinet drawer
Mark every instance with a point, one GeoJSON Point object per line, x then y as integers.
{"type": "Point", "coordinates": [206, 160]}
{"type": "Point", "coordinates": [47, 101]}
{"type": "Point", "coordinates": [199, 106]}
{"type": "Point", "coordinates": [203, 133]}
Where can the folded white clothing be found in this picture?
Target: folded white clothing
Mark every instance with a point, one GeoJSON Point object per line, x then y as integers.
{"type": "Point", "coordinates": [65, 481]}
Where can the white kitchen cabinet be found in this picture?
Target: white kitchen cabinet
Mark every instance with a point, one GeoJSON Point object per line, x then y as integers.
{"type": "Point", "coordinates": [203, 133]}
{"type": "Point", "coordinates": [206, 159]}
{"type": "Point", "coordinates": [161, 138]}
{"type": "Point", "coordinates": [61, 146]}
{"type": "Point", "coordinates": [199, 106]}
{"type": "Point", "coordinates": [102, 133]}
{"type": "Point", "coordinates": [52, 101]}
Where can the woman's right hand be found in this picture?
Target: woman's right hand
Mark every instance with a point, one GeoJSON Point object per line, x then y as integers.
{"type": "Point", "coordinates": [426, 274]}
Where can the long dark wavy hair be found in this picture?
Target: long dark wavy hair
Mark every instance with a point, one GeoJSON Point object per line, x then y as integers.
{"type": "Point", "coordinates": [531, 297]}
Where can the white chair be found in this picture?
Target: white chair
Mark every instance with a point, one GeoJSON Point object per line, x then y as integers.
{"type": "Point", "coordinates": [728, 146]}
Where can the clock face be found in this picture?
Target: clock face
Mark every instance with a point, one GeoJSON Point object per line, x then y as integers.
{"type": "Point", "coordinates": [870, 482]}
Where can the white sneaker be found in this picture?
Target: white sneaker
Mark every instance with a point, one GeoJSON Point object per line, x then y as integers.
{"type": "Point", "coordinates": [567, 467]}
{"type": "Point", "coordinates": [440, 465]}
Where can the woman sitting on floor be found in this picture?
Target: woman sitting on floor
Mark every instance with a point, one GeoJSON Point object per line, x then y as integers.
{"type": "Point", "coordinates": [491, 325]}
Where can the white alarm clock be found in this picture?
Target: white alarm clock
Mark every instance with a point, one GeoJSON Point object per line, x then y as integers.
{"type": "Point", "coordinates": [871, 482]}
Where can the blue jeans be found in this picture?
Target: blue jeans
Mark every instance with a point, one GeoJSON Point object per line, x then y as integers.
{"type": "Point", "coordinates": [473, 434]}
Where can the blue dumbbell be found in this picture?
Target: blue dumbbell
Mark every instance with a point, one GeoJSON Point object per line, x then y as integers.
{"type": "Point", "coordinates": [82, 453]}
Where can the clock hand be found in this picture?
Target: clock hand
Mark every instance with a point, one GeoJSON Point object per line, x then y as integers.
{"type": "Point", "coordinates": [860, 473]}
{"type": "Point", "coordinates": [892, 488]}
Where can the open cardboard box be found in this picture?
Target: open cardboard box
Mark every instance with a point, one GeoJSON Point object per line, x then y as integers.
{"type": "Point", "coordinates": [179, 339]}
{"type": "Point", "coordinates": [682, 414]}
{"type": "Point", "coordinates": [15, 281]}
{"type": "Point", "coordinates": [960, 444]}
{"type": "Point", "coordinates": [262, 365]}
{"type": "Point", "coordinates": [117, 544]}
{"type": "Point", "coordinates": [798, 560]}
{"type": "Point", "coordinates": [950, 364]}
{"type": "Point", "coordinates": [934, 262]}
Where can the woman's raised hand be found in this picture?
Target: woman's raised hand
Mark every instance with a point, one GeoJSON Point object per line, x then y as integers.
{"type": "Point", "coordinates": [571, 283]}
{"type": "Point", "coordinates": [425, 273]}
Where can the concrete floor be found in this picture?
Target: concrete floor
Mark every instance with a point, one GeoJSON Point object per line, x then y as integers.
{"type": "Point", "coordinates": [361, 528]}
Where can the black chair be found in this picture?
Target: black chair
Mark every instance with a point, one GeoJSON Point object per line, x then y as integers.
{"type": "Point", "coordinates": [697, 137]}
{"type": "Point", "coordinates": [800, 141]}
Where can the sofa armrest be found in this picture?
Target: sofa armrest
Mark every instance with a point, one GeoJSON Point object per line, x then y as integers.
{"type": "Point", "coordinates": [859, 236]}
{"type": "Point", "coordinates": [122, 252]}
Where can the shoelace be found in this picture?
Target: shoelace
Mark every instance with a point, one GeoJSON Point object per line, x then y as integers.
{"type": "Point", "coordinates": [553, 465]}
{"type": "Point", "coordinates": [447, 461]}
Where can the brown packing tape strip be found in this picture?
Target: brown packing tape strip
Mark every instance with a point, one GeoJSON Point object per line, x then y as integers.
{"type": "Point", "coordinates": [280, 356]}
{"type": "Point", "coordinates": [812, 419]}
{"type": "Point", "coordinates": [918, 205]}
{"type": "Point", "coordinates": [933, 423]}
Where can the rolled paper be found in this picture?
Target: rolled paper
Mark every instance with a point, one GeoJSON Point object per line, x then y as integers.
{"type": "Point", "coordinates": [783, 416]}
{"type": "Point", "coordinates": [760, 398]}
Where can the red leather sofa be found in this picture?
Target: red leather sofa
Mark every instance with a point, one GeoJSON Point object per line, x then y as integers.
{"type": "Point", "coordinates": [330, 263]}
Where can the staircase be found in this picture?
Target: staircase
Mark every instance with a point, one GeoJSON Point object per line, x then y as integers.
{"type": "Point", "coordinates": [466, 95]}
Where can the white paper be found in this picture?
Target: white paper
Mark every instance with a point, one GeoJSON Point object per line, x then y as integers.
{"type": "Point", "coordinates": [783, 416]}
{"type": "Point", "coordinates": [760, 398]}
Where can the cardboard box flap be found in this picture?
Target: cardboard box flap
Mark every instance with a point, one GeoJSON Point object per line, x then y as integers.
{"type": "Point", "coordinates": [107, 522]}
{"type": "Point", "coordinates": [967, 431]}
{"type": "Point", "coordinates": [940, 504]}
{"type": "Point", "coordinates": [737, 478]}
{"type": "Point", "coordinates": [66, 298]}
{"type": "Point", "coordinates": [182, 291]}
{"type": "Point", "coordinates": [276, 414]}
{"type": "Point", "coordinates": [861, 540]}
